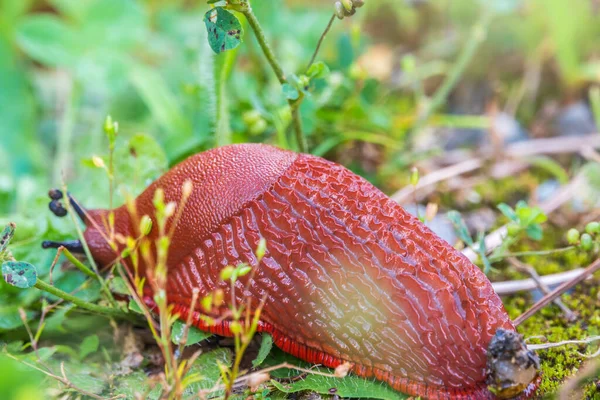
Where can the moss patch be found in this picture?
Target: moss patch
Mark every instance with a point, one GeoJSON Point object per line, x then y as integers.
{"type": "Point", "coordinates": [560, 363]}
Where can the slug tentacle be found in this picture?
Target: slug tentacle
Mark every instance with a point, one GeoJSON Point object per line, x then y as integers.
{"type": "Point", "coordinates": [348, 275]}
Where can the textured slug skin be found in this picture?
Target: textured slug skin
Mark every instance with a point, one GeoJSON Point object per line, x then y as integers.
{"type": "Point", "coordinates": [348, 274]}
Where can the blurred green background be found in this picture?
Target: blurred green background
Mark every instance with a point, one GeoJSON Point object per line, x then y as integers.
{"type": "Point", "coordinates": [67, 64]}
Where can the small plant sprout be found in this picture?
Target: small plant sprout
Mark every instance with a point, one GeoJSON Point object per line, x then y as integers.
{"type": "Point", "coordinates": [244, 319]}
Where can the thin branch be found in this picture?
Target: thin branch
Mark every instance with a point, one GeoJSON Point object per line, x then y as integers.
{"type": "Point", "coordinates": [564, 342]}
{"type": "Point", "coordinates": [325, 32]}
{"type": "Point", "coordinates": [591, 269]}
{"type": "Point", "coordinates": [108, 311]}
{"type": "Point", "coordinates": [569, 314]}
{"type": "Point", "coordinates": [268, 52]}
{"type": "Point", "coordinates": [511, 287]}
{"type": "Point", "coordinates": [264, 45]}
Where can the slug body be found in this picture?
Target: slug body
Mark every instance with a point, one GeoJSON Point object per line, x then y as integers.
{"type": "Point", "coordinates": [348, 274]}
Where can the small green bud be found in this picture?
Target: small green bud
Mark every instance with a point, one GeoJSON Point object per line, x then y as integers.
{"type": "Point", "coordinates": [258, 127]}
{"type": "Point", "coordinates": [226, 273]}
{"type": "Point", "coordinates": [243, 270]}
{"type": "Point", "coordinates": [593, 228]}
{"type": "Point", "coordinates": [586, 242]}
{"type": "Point", "coordinates": [125, 253]}
{"type": "Point", "coordinates": [251, 117]}
{"type": "Point", "coordinates": [159, 199]}
{"type": "Point", "coordinates": [572, 236]}
{"type": "Point", "coordinates": [145, 225]}
{"type": "Point", "coordinates": [207, 303]}
{"type": "Point", "coordinates": [414, 176]}
{"type": "Point", "coordinates": [261, 249]}
{"type": "Point", "coordinates": [347, 5]}
{"type": "Point", "coordinates": [235, 327]}
{"type": "Point", "coordinates": [109, 126]}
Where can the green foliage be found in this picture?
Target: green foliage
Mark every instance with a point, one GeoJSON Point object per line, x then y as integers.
{"type": "Point", "coordinates": [266, 345]}
{"type": "Point", "coordinates": [194, 335]}
{"type": "Point", "coordinates": [224, 30]}
{"type": "Point", "coordinates": [347, 387]}
{"type": "Point", "coordinates": [19, 274]}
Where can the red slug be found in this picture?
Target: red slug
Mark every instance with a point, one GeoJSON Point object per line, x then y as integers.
{"type": "Point", "coordinates": [348, 275]}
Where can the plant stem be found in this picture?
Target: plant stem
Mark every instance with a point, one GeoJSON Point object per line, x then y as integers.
{"type": "Point", "coordinates": [531, 253]}
{"type": "Point", "coordinates": [325, 32]}
{"type": "Point", "coordinates": [477, 36]}
{"type": "Point", "coordinates": [78, 264]}
{"type": "Point", "coordinates": [108, 311]}
{"type": "Point", "coordinates": [297, 123]}
{"type": "Point", "coordinates": [264, 45]}
{"type": "Point", "coordinates": [223, 68]}
{"type": "Point", "coordinates": [88, 253]}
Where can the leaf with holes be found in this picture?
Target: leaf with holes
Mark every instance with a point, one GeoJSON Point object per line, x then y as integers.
{"type": "Point", "coordinates": [224, 30]}
{"type": "Point", "coordinates": [19, 274]}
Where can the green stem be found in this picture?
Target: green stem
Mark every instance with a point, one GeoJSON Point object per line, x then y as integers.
{"type": "Point", "coordinates": [264, 45]}
{"type": "Point", "coordinates": [531, 253]}
{"type": "Point", "coordinates": [223, 68]}
{"type": "Point", "coordinates": [108, 311]}
{"type": "Point", "coordinates": [468, 52]}
{"type": "Point", "coordinates": [88, 254]}
{"type": "Point", "coordinates": [297, 123]}
{"type": "Point", "coordinates": [325, 32]}
{"type": "Point", "coordinates": [78, 264]}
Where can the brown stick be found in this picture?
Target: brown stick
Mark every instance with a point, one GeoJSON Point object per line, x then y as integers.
{"type": "Point", "coordinates": [544, 301]}
{"type": "Point", "coordinates": [569, 315]}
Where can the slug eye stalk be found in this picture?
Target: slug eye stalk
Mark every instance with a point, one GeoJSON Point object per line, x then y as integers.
{"type": "Point", "coordinates": [57, 207]}
{"type": "Point", "coordinates": [74, 246]}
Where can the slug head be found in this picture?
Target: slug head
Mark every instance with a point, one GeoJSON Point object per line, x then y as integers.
{"type": "Point", "coordinates": [511, 366]}
{"type": "Point", "coordinates": [97, 234]}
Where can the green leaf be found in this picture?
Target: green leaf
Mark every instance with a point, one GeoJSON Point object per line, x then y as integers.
{"type": "Point", "coordinates": [46, 39]}
{"type": "Point", "coordinates": [266, 345]}
{"type": "Point", "coordinates": [460, 227]}
{"type": "Point", "coordinates": [88, 346]}
{"type": "Point", "coordinates": [318, 70]}
{"type": "Point", "coordinates": [350, 387]}
{"type": "Point", "coordinates": [133, 306]}
{"type": "Point", "coordinates": [507, 211]}
{"type": "Point", "coordinates": [290, 92]}
{"type": "Point", "coordinates": [224, 30]}
{"type": "Point", "coordinates": [195, 335]}
{"type": "Point", "coordinates": [19, 274]}
{"type": "Point", "coordinates": [117, 285]}
{"type": "Point", "coordinates": [535, 232]}
{"type": "Point", "coordinates": [204, 373]}
{"type": "Point", "coordinates": [6, 235]}
{"type": "Point", "coordinates": [137, 385]}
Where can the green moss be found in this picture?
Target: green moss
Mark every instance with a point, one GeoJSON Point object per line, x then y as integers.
{"type": "Point", "coordinates": [560, 363]}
